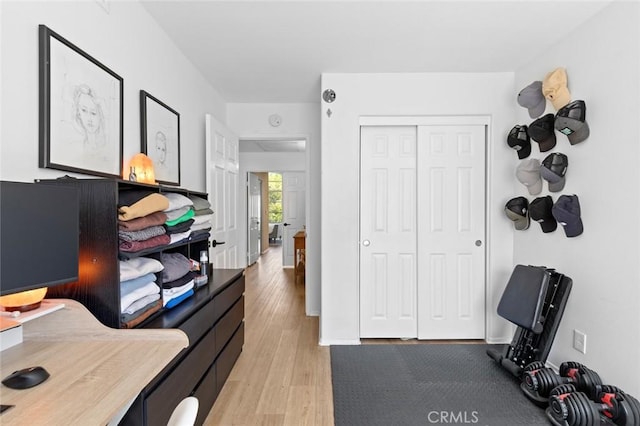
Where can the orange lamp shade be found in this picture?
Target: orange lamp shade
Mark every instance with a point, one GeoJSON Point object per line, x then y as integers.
{"type": "Point", "coordinates": [23, 301]}
{"type": "Point", "coordinates": [141, 169]}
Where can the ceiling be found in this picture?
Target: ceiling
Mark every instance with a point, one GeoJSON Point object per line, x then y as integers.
{"type": "Point", "coordinates": [275, 51]}
{"type": "Point", "coordinates": [272, 145]}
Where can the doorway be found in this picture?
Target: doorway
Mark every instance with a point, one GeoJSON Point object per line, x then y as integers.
{"type": "Point", "coordinates": [254, 216]}
{"type": "Point", "coordinates": [281, 164]}
{"type": "Point", "coordinates": [422, 260]}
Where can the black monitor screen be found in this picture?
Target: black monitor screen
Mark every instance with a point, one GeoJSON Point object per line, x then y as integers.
{"type": "Point", "coordinates": [39, 230]}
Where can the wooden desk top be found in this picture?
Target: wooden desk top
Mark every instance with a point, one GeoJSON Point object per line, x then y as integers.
{"type": "Point", "coordinates": [95, 370]}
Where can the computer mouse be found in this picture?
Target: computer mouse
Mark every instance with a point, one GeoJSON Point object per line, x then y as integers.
{"type": "Point", "coordinates": [26, 378]}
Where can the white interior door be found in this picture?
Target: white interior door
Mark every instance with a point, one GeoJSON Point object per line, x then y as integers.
{"type": "Point", "coordinates": [254, 204]}
{"type": "Point", "coordinates": [293, 212]}
{"type": "Point", "coordinates": [422, 228]}
{"type": "Point", "coordinates": [222, 166]}
{"type": "Point", "coordinates": [451, 232]}
{"type": "Point", "coordinates": [388, 236]}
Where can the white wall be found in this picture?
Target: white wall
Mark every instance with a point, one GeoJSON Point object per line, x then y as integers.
{"type": "Point", "coordinates": [250, 121]}
{"type": "Point", "coordinates": [406, 95]}
{"type": "Point", "coordinates": [602, 62]}
{"type": "Point", "coordinates": [126, 40]}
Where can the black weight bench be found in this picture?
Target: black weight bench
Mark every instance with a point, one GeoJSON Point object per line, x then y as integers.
{"type": "Point", "coordinates": [534, 299]}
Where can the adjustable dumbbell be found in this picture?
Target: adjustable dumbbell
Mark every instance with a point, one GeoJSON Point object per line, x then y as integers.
{"type": "Point", "coordinates": [539, 382]}
{"type": "Point", "coordinates": [611, 406]}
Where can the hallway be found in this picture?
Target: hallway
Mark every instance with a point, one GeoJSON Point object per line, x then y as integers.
{"type": "Point", "coordinates": [283, 377]}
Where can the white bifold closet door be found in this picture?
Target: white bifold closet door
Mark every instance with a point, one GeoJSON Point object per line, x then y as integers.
{"type": "Point", "coordinates": [422, 227]}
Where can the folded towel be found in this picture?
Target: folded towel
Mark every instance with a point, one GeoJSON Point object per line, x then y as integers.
{"type": "Point", "coordinates": [176, 265]}
{"type": "Point", "coordinates": [137, 267]}
{"type": "Point", "coordinates": [143, 234]}
{"type": "Point", "coordinates": [150, 204]}
{"type": "Point", "coordinates": [127, 300]}
{"type": "Point", "coordinates": [174, 302]}
{"type": "Point", "coordinates": [128, 286]}
{"type": "Point", "coordinates": [188, 215]}
{"type": "Point", "coordinates": [199, 203]}
{"type": "Point", "coordinates": [153, 219]}
{"type": "Point", "coordinates": [134, 246]}
{"type": "Point", "coordinates": [170, 293]}
{"type": "Point", "coordinates": [177, 200]}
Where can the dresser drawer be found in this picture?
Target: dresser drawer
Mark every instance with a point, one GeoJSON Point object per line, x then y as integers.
{"type": "Point", "coordinates": [181, 382]}
{"type": "Point", "coordinates": [228, 324]}
{"type": "Point", "coordinates": [199, 323]}
{"type": "Point", "coordinates": [227, 298]}
{"type": "Point", "coordinates": [228, 357]}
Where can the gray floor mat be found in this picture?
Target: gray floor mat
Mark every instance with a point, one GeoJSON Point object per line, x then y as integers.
{"type": "Point", "coordinates": [426, 384]}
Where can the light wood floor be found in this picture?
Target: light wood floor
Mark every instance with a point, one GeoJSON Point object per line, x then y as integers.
{"type": "Point", "coordinates": [283, 377]}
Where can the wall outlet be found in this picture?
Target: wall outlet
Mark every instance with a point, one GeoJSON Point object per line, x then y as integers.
{"type": "Point", "coordinates": [580, 341]}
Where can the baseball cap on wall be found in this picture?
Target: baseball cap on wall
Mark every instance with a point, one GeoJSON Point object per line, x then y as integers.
{"type": "Point", "coordinates": [528, 173]}
{"type": "Point", "coordinates": [543, 131]}
{"type": "Point", "coordinates": [531, 97]}
{"type": "Point", "coordinates": [553, 170]}
{"type": "Point", "coordinates": [554, 88]}
{"type": "Point", "coordinates": [519, 140]}
{"type": "Point", "coordinates": [567, 212]}
{"type": "Point", "coordinates": [571, 121]}
{"type": "Point", "coordinates": [517, 209]}
{"type": "Point", "coordinates": [540, 210]}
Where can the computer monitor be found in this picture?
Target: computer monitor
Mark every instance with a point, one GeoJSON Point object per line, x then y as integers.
{"type": "Point", "coordinates": [39, 236]}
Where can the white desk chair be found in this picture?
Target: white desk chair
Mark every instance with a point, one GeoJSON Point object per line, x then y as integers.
{"type": "Point", "coordinates": [185, 413]}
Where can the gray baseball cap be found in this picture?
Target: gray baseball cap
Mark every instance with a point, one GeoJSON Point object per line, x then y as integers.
{"type": "Point", "coordinates": [528, 173]}
{"type": "Point", "coordinates": [553, 169]}
{"type": "Point", "coordinates": [532, 98]}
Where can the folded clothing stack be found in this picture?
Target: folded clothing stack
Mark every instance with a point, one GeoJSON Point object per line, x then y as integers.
{"type": "Point", "coordinates": [177, 279]}
{"type": "Point", "coordinates": [140, 221]}
{"type": "Point", "coordinates": [179, 217]}
{"type": "Point", "coordinates": [202, 216]}
{"type": "Point", "coordinates": [139, 293]}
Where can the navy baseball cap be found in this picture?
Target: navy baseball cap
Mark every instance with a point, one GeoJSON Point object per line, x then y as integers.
{"type": "Point", "coordinates": [567, 212]}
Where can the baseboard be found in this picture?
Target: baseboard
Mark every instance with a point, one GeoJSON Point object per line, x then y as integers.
{"type": "Point", "coordinates": [331, 342]}
{"type": "Point", "coordinates": [498, 340]}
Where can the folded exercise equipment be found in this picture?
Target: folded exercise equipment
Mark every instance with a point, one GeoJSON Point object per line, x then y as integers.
{"type": "Point", "coordinates": [608, 405]}
{"type": "Point", "coordinates": [534, 300]}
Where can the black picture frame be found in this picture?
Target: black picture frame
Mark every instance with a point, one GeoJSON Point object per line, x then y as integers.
{"type": "Point", "coordinates": [160, 135]}
{"type": "Point", "coordinates": [80, 109]}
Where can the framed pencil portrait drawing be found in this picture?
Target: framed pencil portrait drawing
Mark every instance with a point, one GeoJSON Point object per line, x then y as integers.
{"type": "Point", "coordinates": [160, 128]}
{"type": "Point", "coordinates": [80, 110]}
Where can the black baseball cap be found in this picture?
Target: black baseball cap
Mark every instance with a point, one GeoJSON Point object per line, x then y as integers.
{"type": "Point", "coordinates": [519, 140]}
{"type": "Point", "coordinates": [540, 211]}
{"type": "Point", "coordinates": [553, 169]}
{"type": "Point", "coordinates": [517, 209]}
{"type": "Point", "coordinates": [571, 121]}
{"type": "Point", "coordinates": [542, 131]}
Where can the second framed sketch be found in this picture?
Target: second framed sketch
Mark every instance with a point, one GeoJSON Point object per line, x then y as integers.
{"type": "Point", "coordinates": [160, 128]}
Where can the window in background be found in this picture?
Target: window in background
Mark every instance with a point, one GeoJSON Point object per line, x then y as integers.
{"type": "Point", "coordinates": [275, 198]}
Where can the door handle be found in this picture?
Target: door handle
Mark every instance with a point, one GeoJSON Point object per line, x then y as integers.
{"type": "Point", "coordinates": [478, 243]}
{"type": "Point", "coordinates": [366, 243]}
{"type": "Point", "coordinates": [216, 243]}
{"type": "Point", "coordinates": [286, 224]}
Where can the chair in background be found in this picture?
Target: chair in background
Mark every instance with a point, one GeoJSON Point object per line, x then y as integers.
{"type": "Point", "coordinates": [273, 235]}
{"type": "Point", "coordinates": [185, 413]}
